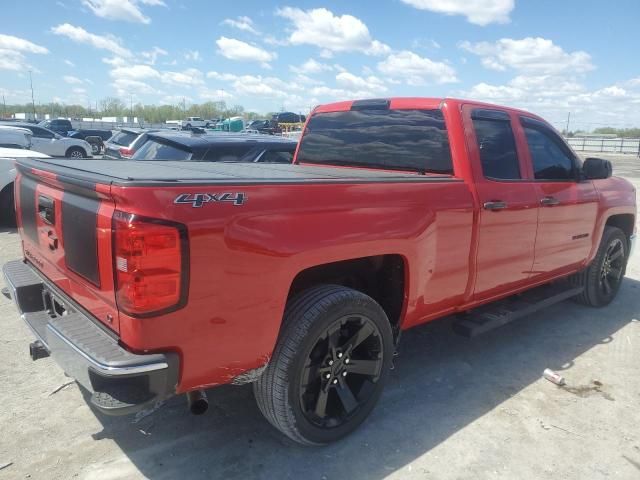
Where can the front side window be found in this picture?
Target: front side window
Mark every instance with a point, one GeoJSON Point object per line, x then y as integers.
{"type": "Point", "coordinates": [551, 160]}
{"type": "Point", "coordinates": [409, 140]}
{"type": "Point", "coordinates": [41, 132]}
{"type": "Point", "coordinates": [497, 146]}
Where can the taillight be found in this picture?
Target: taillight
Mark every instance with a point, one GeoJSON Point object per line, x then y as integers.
{"type": "Point", "coordinates": [151, 264]}
{"type": "Point", "coordinates": [126, 152]}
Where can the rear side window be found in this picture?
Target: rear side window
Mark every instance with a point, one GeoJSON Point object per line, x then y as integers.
{"type": "Point", "coordinates": [152, 150]}
{"type": "Point", "coordinates": [497, 147]}
{"type": "Point", "coordinates": [414, 140]}
{"type": "Point", "coordinates": [551, 160]}
{"type": "Point", "coordinates": [123, 139]}
{"type": "Point", "coordinates": [233, 153]}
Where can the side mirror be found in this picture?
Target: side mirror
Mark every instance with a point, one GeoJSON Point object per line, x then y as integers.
{"type": "Point", "coordinates": [597, 168]}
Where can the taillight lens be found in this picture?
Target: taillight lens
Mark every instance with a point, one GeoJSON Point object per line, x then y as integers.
{"type": "Point", "coordinates": [126, 152]}
{"type": "Point", "coordinates": [151, 263]}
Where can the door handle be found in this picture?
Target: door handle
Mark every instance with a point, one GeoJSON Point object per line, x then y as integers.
{"type": "Point", "coordinates": [495, 205]}
{"type": "Point", "coordinates": [549, 201]}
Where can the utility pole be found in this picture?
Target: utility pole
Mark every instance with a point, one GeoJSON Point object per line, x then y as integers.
{"type": "Point", "coordinates": [568, 119]}
{"type": "Point", "coordinates": [4, 107]}
{"type": "Point", "coordinates": [33, 103]}
{"type": "Point", "coordinates": [131, 107]}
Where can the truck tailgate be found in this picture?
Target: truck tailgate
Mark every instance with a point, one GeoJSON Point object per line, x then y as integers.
{"type": "Point", "coordinates": [66, 234]}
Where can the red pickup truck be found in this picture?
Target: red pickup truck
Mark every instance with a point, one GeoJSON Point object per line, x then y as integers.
{"type": "Point", "coordinates": [160, 278]}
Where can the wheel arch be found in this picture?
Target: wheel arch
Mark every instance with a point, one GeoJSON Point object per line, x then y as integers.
{"type": "Point", "coordinates": [382, 277]}
{"type": "Point", "coordinates": [75, 147]}
{"type": "Point", "coordinates": [623, 221]}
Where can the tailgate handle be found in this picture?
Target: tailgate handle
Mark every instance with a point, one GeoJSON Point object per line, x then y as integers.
{"type": "Point", "coordinates": [46, 209]}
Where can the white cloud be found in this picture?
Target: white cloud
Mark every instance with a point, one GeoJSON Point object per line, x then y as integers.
{"type": "Point", "coordinates": [80, 35]}
{"type": "Point", "coordinates": [332, 33]}
{"type": "Point", "coordinates": [70, 79]}
{"type": "Point", "coordinates": [241, 23]}
{"type": "Point", "coordinates": [479, 12]}
{"type": "Point", "coordinates": [69, 63]}
{"type": "Point", "coordinates": [126, 87]}
{"type": "Point", "coordinates": [192, 56]}
{"type": "Point", "coordinates": [244, 52]}
{"type": "Point", "coordinates": [126, 10]}
{"type": "Point", "coordinates": [13, 50]}
{"type": "Point", "coordinates": [9, 42]}
{"type": "Point", "coordinates": [531, 55]}
{"type": "Point", "coordinates": [189, 77]}
{"type": "Point", "coordinates": [152, 55]}
{"type": "Point", "coordinates": [227, 77]}
{"type": "Point", "coordinates": [352, 82]}
{"type": "Point", "coordinates": [135, 72]}
{"type": "Point", "coordinates": [217, 95]}
{"type": "Point", "coordinates": [311, 66]}
{"type": "Point", "coordinates": [416, 70]}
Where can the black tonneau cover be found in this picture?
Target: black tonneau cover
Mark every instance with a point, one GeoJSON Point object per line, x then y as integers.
{"type": "Point", "coordinates": [169, 173]}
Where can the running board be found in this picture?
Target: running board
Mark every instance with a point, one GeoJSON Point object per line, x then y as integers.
{"type": "Point", "coordinates": [496, 314]}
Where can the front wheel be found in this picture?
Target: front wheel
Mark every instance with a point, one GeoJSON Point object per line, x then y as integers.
{"type": "Point", "coordinates": [76, 152]}
{"type": "Point", "coordinates": [329, 366]}
{"type": "Point", "coordinates": [7, 209]}
{"type": "Point", "coordinates": [601, 280]}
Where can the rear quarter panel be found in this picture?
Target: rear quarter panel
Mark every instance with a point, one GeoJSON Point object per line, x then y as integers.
{"type": "Point", "coordinates": [244, 259]}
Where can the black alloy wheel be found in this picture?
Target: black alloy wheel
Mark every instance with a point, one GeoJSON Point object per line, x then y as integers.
{"type": "Point", "coordinates": [341, 371]}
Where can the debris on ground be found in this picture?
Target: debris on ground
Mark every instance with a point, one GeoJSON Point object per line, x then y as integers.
{"type": "Point", "coordinates": [5, 465]}
{"type": "Point", "coordinates": [62, 387]}
{"type": "Point", "coordinates": [553, 377]}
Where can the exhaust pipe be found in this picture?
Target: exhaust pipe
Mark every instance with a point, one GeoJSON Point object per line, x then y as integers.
{"type": "Point", "coordinates": [198, 403]}
{"type": "Point", "coordinates": [37, 350]}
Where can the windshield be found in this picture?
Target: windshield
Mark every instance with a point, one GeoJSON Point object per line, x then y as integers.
{"type": "Point", "coordinates": [409, 140]}
{"type": "Point", "coordinates": [155, 150]}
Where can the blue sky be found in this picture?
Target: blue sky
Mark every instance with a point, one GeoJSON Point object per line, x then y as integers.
{"type": "Point", "coordinates": [551, 57]}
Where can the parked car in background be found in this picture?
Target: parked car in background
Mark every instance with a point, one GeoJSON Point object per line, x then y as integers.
{"type": "Point", "coordinates": [15, 137]}
{"type": "Point", "coordinates": [50, 143]}
{"type": "Point", "coordinates": [192, 122]}
{"type": "Point", "coordinates": [8, 157]}
{"type": "Point", "coordinates": [269, 127]}
{"type": "Point", "coordinates": [288, 117]}
{"type": "Point", "coordinates": [61, 126]}
{"type": "Point", "coordinates": [216, 147]}
{"type": "Point", "coordinates": [83, 133]}
{"type": "Point", "coordinates": [125, 142]}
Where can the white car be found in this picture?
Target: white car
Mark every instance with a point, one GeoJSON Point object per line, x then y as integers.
{"type": "Point", "coordinates": [50, 143]}
{"type": "Point", "coordinates": [7, 176]}
{"type": "Point", "coordinates": [15, 137]}
{"type": "Point", "coordinates": [193, 122]}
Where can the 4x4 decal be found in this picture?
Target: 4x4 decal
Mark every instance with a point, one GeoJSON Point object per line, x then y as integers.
{"type": "Point", "coordinates": [196, 200]}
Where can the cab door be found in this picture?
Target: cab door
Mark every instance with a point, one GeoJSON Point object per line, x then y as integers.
{"type": "Point", "coordinates": [508, 199]}
{"type": "Point", "coordinates": [568, 205]}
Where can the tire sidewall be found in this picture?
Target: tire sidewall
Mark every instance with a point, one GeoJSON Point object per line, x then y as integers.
{"type": "Point", "coordinates": [593, 283]}
{"type": "Point", "coordinates": [83, 154]}
{"type": "Point", "coordinates": [364, 306]}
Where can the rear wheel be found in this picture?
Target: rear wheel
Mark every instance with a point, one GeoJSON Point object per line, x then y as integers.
{"type": "Point", "coordinates": [329, 366]}
{"type": "Point", "coordinates": [602, 279]}
{"type": "Point", "coordinates": [76, 152]}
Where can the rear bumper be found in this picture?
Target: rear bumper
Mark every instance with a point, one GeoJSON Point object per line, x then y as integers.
{"type": "Point", "coordinates": [120, 382]}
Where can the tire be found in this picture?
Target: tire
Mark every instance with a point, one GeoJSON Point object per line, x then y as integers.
{"type": "Point", "coordinates": [602, 278]}
{"type": "Point", "coordinates": [305, 376]}
{"type": "Point", "coordinates": [7, 206]}
{"type": "Point", "coordinates": [76, 152]}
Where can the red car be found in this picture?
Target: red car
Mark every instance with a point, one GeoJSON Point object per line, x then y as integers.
{"type": "Point", "coordinates": [162, 278]}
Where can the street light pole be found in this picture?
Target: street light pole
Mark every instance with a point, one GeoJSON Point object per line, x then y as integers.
{"type": "Point", "coordinates": [33, 103]}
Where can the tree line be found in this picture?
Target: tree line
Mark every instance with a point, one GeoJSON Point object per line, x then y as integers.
{"type": "Point", "coordinates": [114, 107]}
